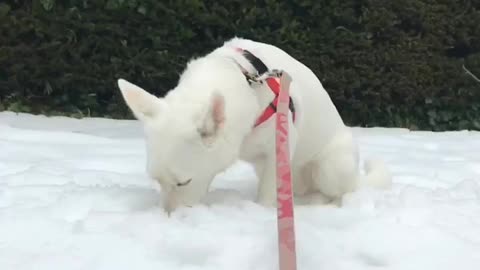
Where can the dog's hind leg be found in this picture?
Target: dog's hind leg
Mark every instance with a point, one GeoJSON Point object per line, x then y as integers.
{"type": "Point", "coordinates": [314, 198]}
{"type": "Point", "coordinates": [335, 171]}
{"type": "Point", "coordinates": [305, 191]}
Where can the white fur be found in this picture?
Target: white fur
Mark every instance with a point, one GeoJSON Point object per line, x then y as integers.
{"type": "Point", "coordinates": [203, 125]}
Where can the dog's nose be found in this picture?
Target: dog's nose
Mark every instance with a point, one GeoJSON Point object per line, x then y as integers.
{"type": "Point", "coordinates": [181, 184]}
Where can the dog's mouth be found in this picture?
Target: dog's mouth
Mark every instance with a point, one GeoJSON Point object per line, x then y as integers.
{"type": "Point", "coordinates": [181, 184]}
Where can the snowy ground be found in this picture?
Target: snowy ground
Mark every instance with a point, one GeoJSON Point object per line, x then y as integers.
{"type": "Point", "coordinates": [73, 195]}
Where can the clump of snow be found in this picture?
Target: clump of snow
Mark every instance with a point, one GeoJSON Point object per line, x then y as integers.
{"type": "Point", "coordinates": [74, 195]}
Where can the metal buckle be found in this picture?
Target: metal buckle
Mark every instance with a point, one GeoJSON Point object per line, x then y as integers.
{"type": "Point", "coordinates": [259, 78]}
{"type": "Point", "coordinates": [274, 73]}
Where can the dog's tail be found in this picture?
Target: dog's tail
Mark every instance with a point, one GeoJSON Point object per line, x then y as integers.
{"type": "Point", "coordinates": [376, 175]}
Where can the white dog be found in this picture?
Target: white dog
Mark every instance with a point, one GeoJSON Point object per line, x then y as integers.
{"type": "Point", "coordinates": [212, 118]}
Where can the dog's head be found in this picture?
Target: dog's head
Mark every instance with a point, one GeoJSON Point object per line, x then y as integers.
{"type": "Point", "coordinates": [185, 143]}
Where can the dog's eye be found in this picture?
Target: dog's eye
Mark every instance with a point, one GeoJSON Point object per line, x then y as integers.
{"type": "Point", "coordinates": [181, 184]}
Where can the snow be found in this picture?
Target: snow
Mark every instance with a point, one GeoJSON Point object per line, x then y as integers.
{"type": "Point", "coordinates": [74, 195]}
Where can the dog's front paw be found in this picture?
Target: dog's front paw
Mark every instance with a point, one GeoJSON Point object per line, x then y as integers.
{"type": "Point", "coordinates": [267, 202]}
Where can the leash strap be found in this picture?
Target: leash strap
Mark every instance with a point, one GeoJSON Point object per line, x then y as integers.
{"type": "Point", "coordinates": [285, 212]}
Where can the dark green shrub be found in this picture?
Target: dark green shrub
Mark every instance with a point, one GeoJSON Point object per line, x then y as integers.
{"type": "Point", "coordinates": [388, 63]}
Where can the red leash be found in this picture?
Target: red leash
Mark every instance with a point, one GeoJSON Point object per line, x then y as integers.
{"type": "Point", "coordinates": [285, 213]}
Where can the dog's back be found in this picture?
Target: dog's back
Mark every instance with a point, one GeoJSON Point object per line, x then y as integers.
{"type": "Point", "coordinates": [318, 120]}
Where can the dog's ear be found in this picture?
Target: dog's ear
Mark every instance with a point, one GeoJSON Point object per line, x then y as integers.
{"type": "Point", "coordinates": [143, 104]}
{"type": "Point", "coordinates": [215, 118]}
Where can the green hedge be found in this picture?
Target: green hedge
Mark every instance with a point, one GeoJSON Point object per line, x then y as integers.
{"type": "Point", "coordinates": [387, 63]}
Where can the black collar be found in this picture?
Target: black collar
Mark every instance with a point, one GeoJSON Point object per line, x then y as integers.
{"type": "Point", "coordinates": [261, 69]}
{"type": "Point", "coordinates": [255, 61]}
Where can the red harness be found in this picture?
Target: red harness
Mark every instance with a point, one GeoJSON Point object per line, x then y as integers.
{"type": "Point", "coordinates": [272, 107]}
{"type": "Point", "coordinates": [273, 84]}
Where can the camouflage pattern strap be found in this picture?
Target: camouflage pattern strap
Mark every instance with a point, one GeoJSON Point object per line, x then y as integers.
{"type": "Point", "coordinates": [285, 212]}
